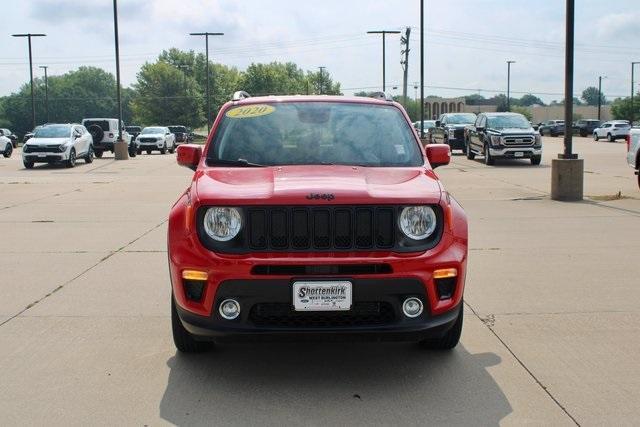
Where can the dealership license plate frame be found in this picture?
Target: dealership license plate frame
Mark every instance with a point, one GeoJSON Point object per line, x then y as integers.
{"type": "Point", "coordinates": [323, 302]}
{"type": "Point", "coordinates": [518, 154]}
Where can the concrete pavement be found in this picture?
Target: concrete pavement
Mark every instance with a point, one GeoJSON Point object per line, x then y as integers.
{"type": "Point", "coordinates": [551, 328]}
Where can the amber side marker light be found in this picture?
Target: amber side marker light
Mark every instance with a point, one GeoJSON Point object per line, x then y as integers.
{"type": "Point", "coordinates": [194, 275]}
{"type": "Point", "coordinates": [445, 273]}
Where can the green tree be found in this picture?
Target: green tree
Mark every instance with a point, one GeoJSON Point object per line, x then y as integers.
{"type": "Point", "coordinates": [165, 95]}
{"type": "Point", "coordinates": [475, 99]}
{"type": "Point", "coordinates": [529, 100]}
{"type": "Point", "coordinates": [274, 79]}
{"type": "Point", "coordinates": [522, 110]}
{"type": "Point", "coordinates": [322, 83]}
{"type": "Point", "coordinates": [621, 108]}
{"type": "Point", "coordinates": [590, 96]}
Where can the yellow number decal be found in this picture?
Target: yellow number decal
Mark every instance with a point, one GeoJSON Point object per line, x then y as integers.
{"type": "Point", "coordinates": [250, 111]}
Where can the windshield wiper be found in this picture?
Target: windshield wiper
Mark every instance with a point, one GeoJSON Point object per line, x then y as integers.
{"type": "Point", "coordinates": [240, 162]}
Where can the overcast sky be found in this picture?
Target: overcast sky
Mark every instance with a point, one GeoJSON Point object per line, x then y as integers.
{"type": "Point", "coordinates": [467, 41]}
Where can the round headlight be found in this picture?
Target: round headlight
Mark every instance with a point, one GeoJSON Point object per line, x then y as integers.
{"type": "Point", "coordinates": [222, 224]}
{"type": "Point", "coordinates": [417, 222]}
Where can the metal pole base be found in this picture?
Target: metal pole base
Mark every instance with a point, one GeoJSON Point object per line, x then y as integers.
{"type": "Point", "coordinates": [121, 150]}
{"type": "Point", "coordinates": [567, 177]}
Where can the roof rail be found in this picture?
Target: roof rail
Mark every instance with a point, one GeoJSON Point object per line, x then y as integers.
{"type": "Point", "coordinates": [381, 95]}
{"type": "Point", "coordinates": [239, 95]}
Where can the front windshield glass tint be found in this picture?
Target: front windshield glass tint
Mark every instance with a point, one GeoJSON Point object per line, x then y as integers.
{"type": "Point", "coordinates": [152, 130]}
{"type": "Point", "coordinates": [304, 133]}
{"type": "Point", "coordinates": [62, 131]}
{"type": "Point", "coordinates": [461, 119]}
{"type": "Point", "coordinates": [508, 121]}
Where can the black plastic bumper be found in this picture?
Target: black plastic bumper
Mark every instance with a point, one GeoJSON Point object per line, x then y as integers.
{"type": "Point", "coordinates": [251, 294]}
{"type": "Point", "coordinates": [49, 158]}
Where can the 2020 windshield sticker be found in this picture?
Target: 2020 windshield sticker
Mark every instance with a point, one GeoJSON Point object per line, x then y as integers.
{"type": "Point", "coordinates": [250, 111]}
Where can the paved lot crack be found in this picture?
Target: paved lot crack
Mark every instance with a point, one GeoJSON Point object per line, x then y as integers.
{"type": "Point", "coordinates": [489, 321]}
{"type": "Point", "coordinates": [82, 273]}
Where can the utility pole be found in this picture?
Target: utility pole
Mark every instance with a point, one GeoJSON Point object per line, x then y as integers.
{"type": "Point", "coordinates": [321, 79]}
{"type": "Point", "coordinates": [405, 63]}
{"type": "Point", "coordinates": [384, 39]}
{"type": "Point", "coordinates": [421, 68]}
{"type": "Point", "coordinates": [33, 104]}
{"type": "Point", "coordinates": [46, 92]}
{"type": "Point", "coordinates": [599, 94]}
{"type": "Point", "coordinates": [509, 84]}
{"type": "Point", "coordinates": [120, 147]}
{"type": "Point", "coordinates": [633, 111]}
{"type": "Point", "coordinates": [206, 38]}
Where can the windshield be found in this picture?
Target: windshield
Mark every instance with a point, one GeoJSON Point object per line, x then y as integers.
{"type": "Point", "coordinates": [304, 133]}
{"type": "Point", "coordinates": [461, 119]}
{"type": "Point", "coordinates": [56, 131]}
{"type": "Point", "coordinates": [152, 130]}
{"type": "Point", "coordinates": [515, 121]}
{"type": "Point", "coordinates": [133, 129]}
{"type": "Point", "coordinates": [178, 129]}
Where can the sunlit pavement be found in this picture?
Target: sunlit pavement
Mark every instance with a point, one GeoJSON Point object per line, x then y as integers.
{"type": "Point", "coordinates": [552, 325]}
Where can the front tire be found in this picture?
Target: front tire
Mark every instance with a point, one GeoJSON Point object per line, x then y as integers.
{"type": "Point", "coordinates": [488, 160]}
{"type": "Point", "coordinates": [89, 157]}
{"type": "Point", "coordinates": [595, 137]}
{"type": "Point", "coordinates": [71, 161]}
{"type": "Point", "coordinates": [610, 137]}
{"type": "Point", "coordinates": [182, 339]}
{"type": "Point", "coordinates": [535, 160]}
{"type": "Point", "coordinates": [451, 338]}
{"type": "Point", "coordinates": [27, 165]}
{"type": "Point", "coordinates": [98, 153]}
{"type": "Point", "coordinates": [470, 154]}
{"type": "Point", "coordinates": [163, 150]}
{"type": "Point", "coordinates": [8, 151]}
{"type": "Point", "coordinates": [172, 149]}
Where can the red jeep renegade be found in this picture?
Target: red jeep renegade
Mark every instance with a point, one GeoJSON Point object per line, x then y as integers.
{"type": "Point", "coordinates": [315, 215]}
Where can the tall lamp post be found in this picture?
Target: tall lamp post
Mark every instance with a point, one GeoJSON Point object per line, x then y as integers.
{"type": "Point", "coordinates": [46, 91]}
{"type": "Point", "coordinates": [120, 148]}
{"type": "Point", "coordinates": [421, 68]}
{"type": "Point", "coordinates": [384, 39]}
{"type": "Point", "coordinates": [600, 78]}
{"type": "Point", "coordinates": [509, 84]}
{"type": "Point", "coordinates": [206, 41]}
{"type": "Point", "coordinates": [33, 104]}
{"type": "Point", "coordinates": [632, 106]}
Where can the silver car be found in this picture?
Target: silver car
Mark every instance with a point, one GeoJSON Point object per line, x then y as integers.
{"type": "Point", "coordinates": [612, 130]}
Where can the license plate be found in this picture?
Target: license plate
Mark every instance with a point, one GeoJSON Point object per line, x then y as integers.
{"type": "Point", "coordinates": [322, 296]}
{"type": "Point", "coordinates": [42, 155]}
{"type": "Point", "coordinates": [518, 154]}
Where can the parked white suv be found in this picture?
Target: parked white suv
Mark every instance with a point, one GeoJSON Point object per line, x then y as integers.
{"type": "Point", "coordinates": [58, 143]}
{"type": "Point", "coordinates": [612, 130]}
{"type": "Point", "coordinates": [156, 138]}
{"type": "Point", "coordinates": [6, 146]}
{"type": "Point", "coordinates": [633, 151]}
{"type": "Point", "coordinates": [105, 134]}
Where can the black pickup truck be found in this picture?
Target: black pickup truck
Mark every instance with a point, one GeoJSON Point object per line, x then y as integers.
{"type": "Point", "coordinates": [450, 129]}
{"type": "Point", "coordinates": [503, 136]}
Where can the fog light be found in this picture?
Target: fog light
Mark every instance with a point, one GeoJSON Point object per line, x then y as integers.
{"type": "Point", "coordinates": [412, 307]}
{"type": "Point", "coordinates": [229, 309]}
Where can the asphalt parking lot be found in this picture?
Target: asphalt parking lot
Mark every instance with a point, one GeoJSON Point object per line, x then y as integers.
{"type": "Point", "coordinates": [551, 335]}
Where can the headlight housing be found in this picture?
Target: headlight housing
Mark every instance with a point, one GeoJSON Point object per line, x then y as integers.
{"type": "Point", "coordinates": [417, 222]}
{"type": "Point", "coordinates": [222, 224]}
{"type": "Point", "coordinates": [496, 140]}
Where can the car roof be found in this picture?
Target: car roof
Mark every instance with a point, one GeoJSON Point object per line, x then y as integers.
{"type": "Point", "coordinates": [312, 98]}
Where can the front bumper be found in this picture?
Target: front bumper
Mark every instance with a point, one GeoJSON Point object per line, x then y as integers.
{"type": "Point", "coordinates": [512, 152]}
{"type": "Point", "coordinates": [45, 157]}
{"type": "Point", "coordinates": [150, 145]}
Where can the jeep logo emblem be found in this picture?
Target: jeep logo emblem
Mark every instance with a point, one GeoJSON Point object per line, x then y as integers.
{"type": "Point", "coordinates": [317, 196]}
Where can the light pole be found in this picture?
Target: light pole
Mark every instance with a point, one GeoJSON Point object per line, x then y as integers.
{"type": "Point", "coordinates": [384, 39]}
{"type": "Point", "coordinates": [632, 107]}
{"type": "Point", "coordinates": [600, 78]}
{"type": "Point", "coordinates": [321, 78]}
{"type": "Point", "coordinates": [206, 38]}
{"type": "Point", "coordinates": [33, 105]}
{"type": "Point", "coordinates": [120, 148]}
{"type": "Point", "coordinates": [46, 91]}
{"type": "Point", "coordinates": [421, 68]}
{"type": "Point", "coordinates": [509, 84]}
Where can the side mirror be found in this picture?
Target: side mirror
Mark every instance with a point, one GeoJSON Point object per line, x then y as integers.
{"type": "Point", "coordinates": [189, 155]}
{"type": "Point", "coordinates": [437, 123]}
{"type": "Point", "coordinates": [438, 155]}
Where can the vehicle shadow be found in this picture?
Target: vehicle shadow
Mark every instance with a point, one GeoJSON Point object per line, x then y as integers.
{"type": "Point", "coordinates": [513, 163]}
{"type": "Point", "coordinates": [332, 384]}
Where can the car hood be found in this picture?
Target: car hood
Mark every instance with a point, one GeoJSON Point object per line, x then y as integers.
{"type": "Point", "coordinates": [514, 131]}
{"type": "Point", "coordinates": [47, 141]}
{"type": "Point", "coordinates": [295, 185]}
{"type": "Point", "coordinates": [151, 135]}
